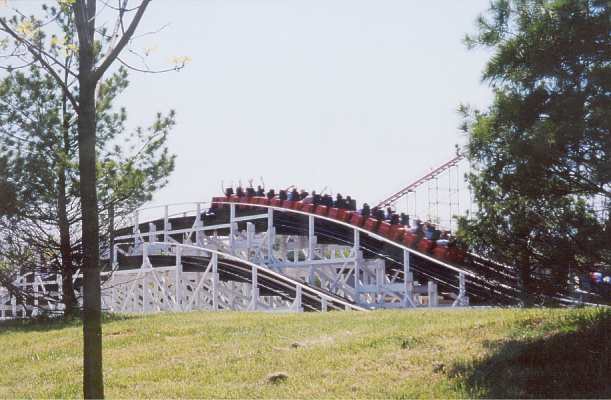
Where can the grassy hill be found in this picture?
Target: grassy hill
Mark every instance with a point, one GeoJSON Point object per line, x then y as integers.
{"type": "Point", "coordinates": [388, 354]}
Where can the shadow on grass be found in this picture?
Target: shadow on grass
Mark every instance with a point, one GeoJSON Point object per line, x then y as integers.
{"type": "Point", "coordinates": [46, 323]}
{"type": "Point", "coordinates": [570, 360]}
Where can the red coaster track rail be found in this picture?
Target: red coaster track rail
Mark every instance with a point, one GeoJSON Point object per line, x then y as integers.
{"type": "Point", "coordinates": [437, 171]}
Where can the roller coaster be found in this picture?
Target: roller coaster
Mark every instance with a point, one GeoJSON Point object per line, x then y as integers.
{"type": "Point", "coordinates": [263, 253]}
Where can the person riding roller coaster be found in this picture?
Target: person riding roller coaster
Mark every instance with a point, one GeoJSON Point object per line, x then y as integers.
{"type": "Point", "coordinates": [419, 232]}
{"type": "Point", "coordinates": [365, 211]}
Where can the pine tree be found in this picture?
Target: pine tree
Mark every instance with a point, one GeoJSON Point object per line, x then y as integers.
{"type": "Point", "coordinates": [96, 49]}
{"type": "Point", "coordinates": [38, 145]}
{"type": "Point", "coordinates": [541, 151]}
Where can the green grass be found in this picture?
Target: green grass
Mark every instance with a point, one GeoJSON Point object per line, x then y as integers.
{"type": "Point", "coordinates": [386, 354]}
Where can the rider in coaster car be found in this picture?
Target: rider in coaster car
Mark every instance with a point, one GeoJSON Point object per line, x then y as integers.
{"type": "Point", "coordinates": [350, 203]}
{"type": "Point", "coordinates": [365, 211]}
{"type": "Point", "coordinates": [405, 219]}
{"type": "Point", "coordinates": [394, 219]}
{"type": "Point", "coordinates": [339, 201]}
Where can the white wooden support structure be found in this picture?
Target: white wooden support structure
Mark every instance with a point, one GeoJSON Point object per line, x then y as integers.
{"type": "Point", "coordinates": [338, 268]}
{"type": "Point", "coordinates": [199, 234]}
{"type": "Point", "coordinates": [432, 294]}
{"type": "Point", "coordinates": [178, 280]}
{"type": "Point", "coordinates": [270, 234]}
{"type": "Point", "coordinates": [215, 282]}
{"type": "Point", "coordinates": [462, 299]}
{"type": "Point", "coordinates": [166, 225]}
{"type": "Point", "coordinates": [254, 290]}
{"type": "Point", "coordinates": [311, 243]}
{"type": "Point", "coordinates": [152, 233]}
{"type": "Point", "coordinates": [232, 225]}
{"type": "Point", "coordinates": [356, 244]}
{"type": "Point", "coordinates": [408, 278]}
{"type": "Point", "coordinates": [296, 306]}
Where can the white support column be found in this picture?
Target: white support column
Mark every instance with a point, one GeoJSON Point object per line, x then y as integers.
{"type": "Point", "coordinates": [311, 240]}
{"type": "Point", "coordinates": [113, 295]}
{"type": "Point", "coordinates": [297, 303]}
{"type": "Point", "coordinates": [35, 287]}
{"type": "Point", "coordinates": [136, 222]}
{"type": "Point", "coordinates": [178, 279]}
{"type": "Point", "coordinates": [115, 253]}
{"type": "Point", "coordinates": [250, 234]}
{"type": "Point", "coordinates": [432, 294]}
{"type": "Point", "coordinates": [199, 223]}
{"type": "Point", "coordinates": [145, 298]}
{"type": "Point", "coordinates": [357, 266]}
{"type": "Point", "coordinates": [215, 282]}
{"type": "Point", "coordinates": [461, 300]}
{"type": "Point", "coordinates": [270, 234]}
{"type": "Point", "coordinates": [146, 265]}
{"type": "Point", "coordinates": [145, 254]}
{"type": "Point", "coordinates": [254, 290]}
{"type": "Point", "coordinates": [231, 225]}
{"type": "Point", "coordinates": [152, 233]}
{"type": "Point", "coordinates": [380, 274]}
{"type": "Point", "coordinates": [323, 303]}
{"type": "Point", "coordinates": [406, 262]}
{"type": "Point", "coordinates": [409, 280]}
{"type": "Point", "coordinates": [464, 299]}
{"type": "Point", "coordinates": [166, 224]}
{"type": "Point", "coordinates": [136, 229]}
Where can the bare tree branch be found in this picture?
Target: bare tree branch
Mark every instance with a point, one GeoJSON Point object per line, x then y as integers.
{"type": "Point", "coordinates": [150, 71]}
{"type": "Point", "coordinates": [114, 52]}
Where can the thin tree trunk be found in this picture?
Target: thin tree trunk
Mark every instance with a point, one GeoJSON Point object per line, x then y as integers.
{"type": "Point", "coordinates": [93, 383]}
{"type": "Point", "coordinates": [64, 226]}
{"type": "Point", "coordinates": [65, 248]}
{"type": "Point", "coordinates": [111, 233]}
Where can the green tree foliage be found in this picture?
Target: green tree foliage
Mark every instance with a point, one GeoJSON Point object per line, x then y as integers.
{"type": "Point", "coordinates": [39, 184]}
{"type": "Point", "coordinates": [96, 48]}
{"type": "Point", "coordinates": [540, 152]}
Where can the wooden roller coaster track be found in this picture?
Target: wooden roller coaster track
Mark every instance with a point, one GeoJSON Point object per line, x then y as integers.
{"type": "Point", "coordinates": [412, 186]}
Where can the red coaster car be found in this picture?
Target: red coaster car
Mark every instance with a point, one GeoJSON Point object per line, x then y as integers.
{"type": "Point", "coordinates": [409, 238]}
{"type": "Point", "coordinates": [425, 245]}
{"type": "Point", "coordinates": [322, 210]}
{"type": "Point", "coordinates": [356, 219]}
{"type": "Point", "coordinates": [371, 224]}
{"type": "Point", "coordinates": [384, 229]}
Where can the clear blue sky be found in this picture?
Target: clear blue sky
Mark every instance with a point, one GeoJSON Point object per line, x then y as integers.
{"type": "Point", "coordinates": [356, 95]}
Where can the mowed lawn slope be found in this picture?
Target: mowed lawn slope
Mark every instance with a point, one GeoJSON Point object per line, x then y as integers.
{"type": "Point", "coordinates": [382, 354]}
